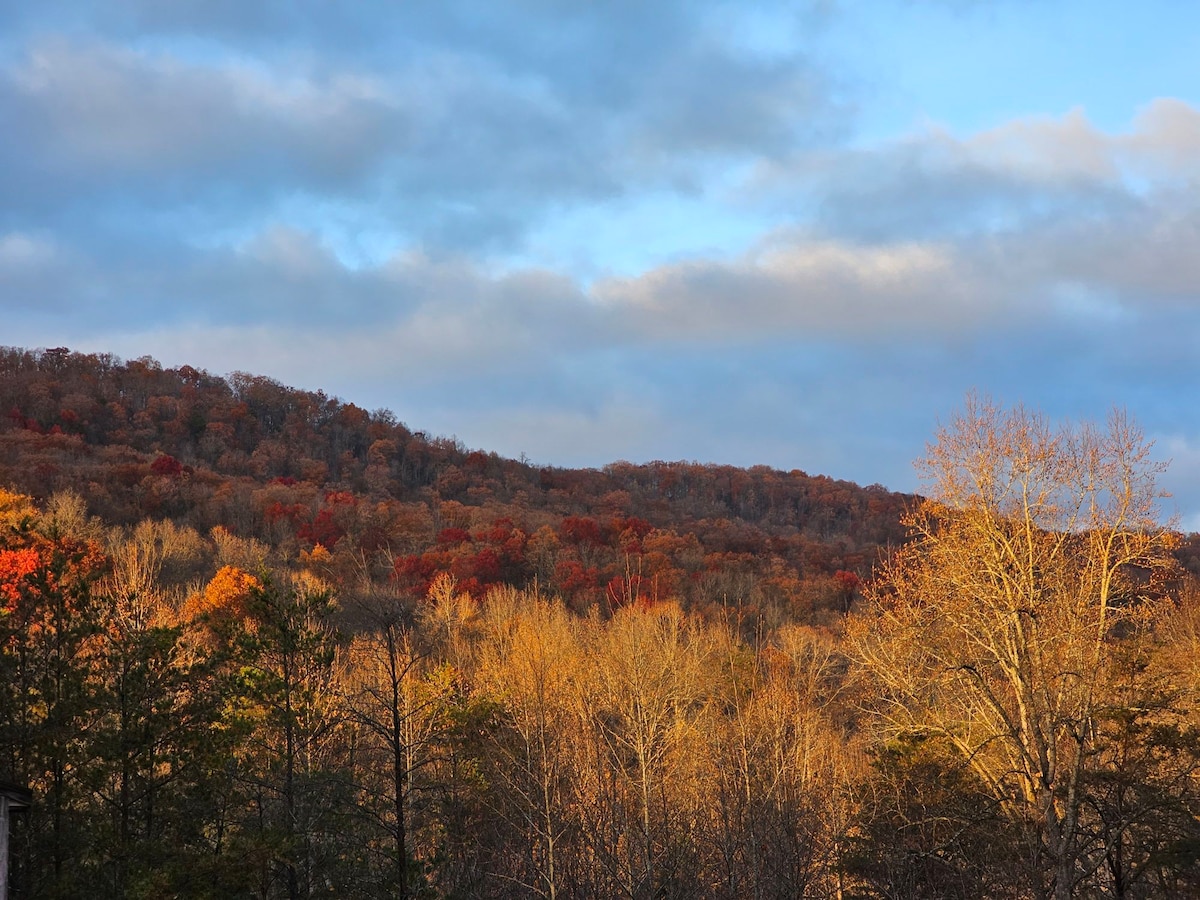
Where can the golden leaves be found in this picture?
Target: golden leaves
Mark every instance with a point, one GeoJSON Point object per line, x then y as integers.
{"type": "Point", "coordinates": [224, 597]}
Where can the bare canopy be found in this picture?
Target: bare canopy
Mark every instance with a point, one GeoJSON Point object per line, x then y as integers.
{"type": "Point", "coordinates": [992, 630]}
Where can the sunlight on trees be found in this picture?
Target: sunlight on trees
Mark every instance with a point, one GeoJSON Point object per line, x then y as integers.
{"type": "Point", "coordinates": [996, 628]}
{"type": "Point", "coordinates": [295, 688]}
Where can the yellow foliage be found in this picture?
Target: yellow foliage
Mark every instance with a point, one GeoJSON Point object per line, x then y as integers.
{"type": "Point", "coordinates": [307, 584]}
{"type": "Point", "coordinates": [15, 510]}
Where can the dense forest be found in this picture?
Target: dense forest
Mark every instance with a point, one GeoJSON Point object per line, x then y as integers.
{"type": "Point", "coordinates": [256, 641]}
{"type": "Point", "coordinates": [295, 469]}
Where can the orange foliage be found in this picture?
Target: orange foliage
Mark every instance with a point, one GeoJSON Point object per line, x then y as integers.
{"type": "Point", "coordinates": [318, 556]}
{"type": "Point", "coordinates": [225, 596]}
{"type": "Point", "coordinates": [64, 569]}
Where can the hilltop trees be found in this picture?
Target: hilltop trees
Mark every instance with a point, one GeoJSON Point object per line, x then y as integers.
{"type": "Point", "coordinates": [301, 472]}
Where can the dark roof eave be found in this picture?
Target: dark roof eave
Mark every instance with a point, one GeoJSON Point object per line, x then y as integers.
{"type": "Point", "coordinates": [18, 797]}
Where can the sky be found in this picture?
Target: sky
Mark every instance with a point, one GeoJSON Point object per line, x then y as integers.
{"type": "Point", "coordinates": [794, 234]}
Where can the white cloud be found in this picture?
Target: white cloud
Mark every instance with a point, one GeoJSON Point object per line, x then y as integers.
{"type": "Point", "coordinates": [1018, 175]}
{"type": "Point", "coordinates": [1043, 149]}
{"type": "Point", "coordinates": [1166, 139]}
{"type": "Point", "coordinates": [805, 286]}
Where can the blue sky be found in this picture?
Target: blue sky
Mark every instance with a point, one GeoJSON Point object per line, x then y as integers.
{"type": "Point", "coordinates": [791, 233]}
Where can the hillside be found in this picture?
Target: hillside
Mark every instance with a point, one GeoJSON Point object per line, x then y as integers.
{"type": "Point", "coordinates": [295, 469]}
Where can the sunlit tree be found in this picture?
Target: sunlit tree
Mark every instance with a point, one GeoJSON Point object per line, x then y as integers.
{"type": "Point", "coordinates": [993, 630]}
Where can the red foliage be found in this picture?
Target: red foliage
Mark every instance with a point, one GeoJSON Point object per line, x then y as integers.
{"type": "Point", "coordinates": [846, 581]}
{"type": "Point", "coordinates": [486, 566]}
{"type": "Point", "coordinates": [496, 533]}
{"type": "Point", "coordinates": [58, 567]}
{"type": "Point", "coordinates": [293, 512]}
{"type": "Point", "coordinates": [415, 573]}
{"type": "Point", "coordinates": [571, 577]}
{"type": "Point", "coordinates": [321, 530]}
{"type": "Point", "coordinates": [630, 532]}
{"type": "Point", "coordinates": [639, 527]}
{"type": "Point", "coordinates": [451, 536]}
{"type": "Point", "coordinates": [15, 567]}
{"type": "Point", "coordinates": [632, 591]}
{"type": "Point", "coordinates": [167, 466]}
{"type": "Point", "coordinates": [582, 530]}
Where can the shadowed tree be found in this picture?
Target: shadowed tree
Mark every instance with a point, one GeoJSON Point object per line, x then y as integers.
{"type": "Point", "coordinates": [395, 696]}
{"type": "Point", "coordinates": [291, 764]}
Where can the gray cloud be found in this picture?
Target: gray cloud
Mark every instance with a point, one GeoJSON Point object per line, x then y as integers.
{"type": "Point", "coordinates": [1123, 270]}
{"type": "Point", "coordinates": [447, 125]}
{"type": "Point", "coordinates": [104, 134]}
{"type": "Point", "coordinates": [806, 286]}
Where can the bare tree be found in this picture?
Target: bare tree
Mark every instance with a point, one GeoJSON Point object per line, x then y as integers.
{"type": "Point", "coordinates": [993, 628]}
{"type": "Point", "coordinates": [649, 673]}
{"type": "Point", "coordinates": [782, 767]}
{"type": "Point", "coordinates": [529, 663]}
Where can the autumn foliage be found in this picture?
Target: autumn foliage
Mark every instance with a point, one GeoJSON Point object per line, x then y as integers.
{"type": "Point", "coordinates": [16, 567]}
{"type": "Point", "coordinates": [258, 641]}
{"type": "Point", "coordinates": [224, 597]}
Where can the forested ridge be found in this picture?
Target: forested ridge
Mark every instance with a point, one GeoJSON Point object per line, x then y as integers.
{"type": "Point", "coordinates": [295, 469]}
{"type": "Point", "coordinates": [256, 641]}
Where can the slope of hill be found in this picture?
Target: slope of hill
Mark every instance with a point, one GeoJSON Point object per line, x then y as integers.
{"type": "Point", "coordinates": [298, 468]}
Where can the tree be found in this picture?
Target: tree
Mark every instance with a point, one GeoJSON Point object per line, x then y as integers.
{"type": "Point", "coordinates": [929, 827]}
{"type": "Point", "coordinates": [152, 736]}
{"type": "Point", "coordinates": [285, 667]}
{"type": "Point", "coordinates": [994, 628]}
{"type": "Point", "coordinates": [49, 618]}
{"type": "Point", "coordinates": [781, 767]}
{"type": "Point", "coordinates": [400, 703]}
{"type": "Point", "coordinates": [649, 678]}
{"type": "Point", "coordinates": [530, 660]}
